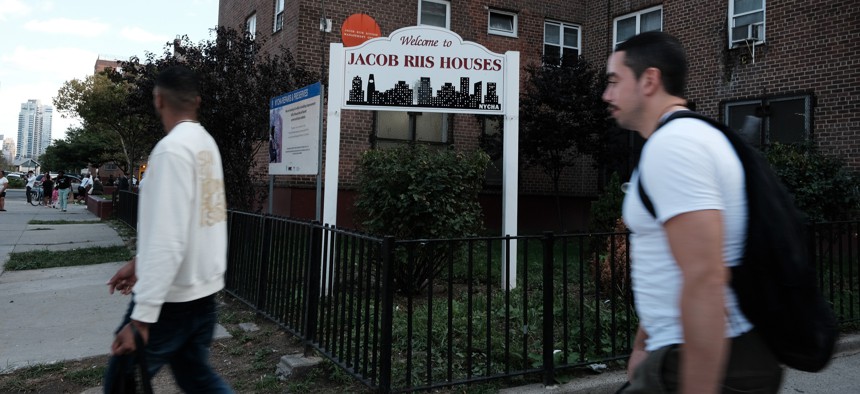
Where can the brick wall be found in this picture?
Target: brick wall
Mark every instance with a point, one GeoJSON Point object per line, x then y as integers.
{"type": "Point", "coordinates": [811, 47]}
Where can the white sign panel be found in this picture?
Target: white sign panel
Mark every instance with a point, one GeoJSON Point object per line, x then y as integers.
{"type": "Point", "coordinates": [426, 69]}
{"type": "Point", "coordinates": [294, 132]}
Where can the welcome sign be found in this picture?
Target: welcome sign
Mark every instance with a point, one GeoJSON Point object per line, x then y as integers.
{"type": "Point", "coordinates": [425, 69]}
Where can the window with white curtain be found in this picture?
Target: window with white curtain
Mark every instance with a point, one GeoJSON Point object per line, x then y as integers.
{"type": "Point", "coordinates": [502, 23]}
{"type": "Point", "coordinates": [434, 13]}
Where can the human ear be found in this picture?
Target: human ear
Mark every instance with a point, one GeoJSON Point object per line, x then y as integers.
{"type": "Point", "coordinates": [651, 80]}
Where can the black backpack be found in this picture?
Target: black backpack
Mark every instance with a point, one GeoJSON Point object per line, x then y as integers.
{"type": "Point", "coordinates": [775, 281]}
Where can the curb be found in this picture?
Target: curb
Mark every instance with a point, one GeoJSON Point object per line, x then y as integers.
{"type": "Point", "coordinates": [610, 382]}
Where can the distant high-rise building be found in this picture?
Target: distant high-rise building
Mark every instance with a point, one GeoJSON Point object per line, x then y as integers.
{"type": "Point", "coordinates": [34, 129]}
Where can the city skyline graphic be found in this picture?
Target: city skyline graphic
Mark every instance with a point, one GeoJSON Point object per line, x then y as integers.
{"type": "Point", "coordinates": [402, 95]}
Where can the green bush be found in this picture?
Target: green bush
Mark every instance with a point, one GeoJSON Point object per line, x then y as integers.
{"type": "Point", "coordinates": [823, 187]}
{"type": "Point", "coordinates": [606, 210]}
{"type": "Point", "coordinates": [415, 192]}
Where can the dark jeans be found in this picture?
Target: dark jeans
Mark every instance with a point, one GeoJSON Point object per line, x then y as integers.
{"type": "Point", "coordinates": [29, 196]}
{"type": "Point", "coordinates": [181, 337]}
{"type": "Point", "coordinates": [752, 368]}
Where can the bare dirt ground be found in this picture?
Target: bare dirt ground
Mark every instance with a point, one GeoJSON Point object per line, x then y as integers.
{"type": "Point", "coordinates": [248, 361]}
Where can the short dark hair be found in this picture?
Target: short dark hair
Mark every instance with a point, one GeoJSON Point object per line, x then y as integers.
{"type": "Point", "coordinates": [661, 51]}
{"type": "Point", "coordinates": [179, 86]}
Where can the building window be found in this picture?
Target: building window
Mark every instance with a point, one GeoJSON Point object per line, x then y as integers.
{"type": "Point", "coordinates": [502, 23]}
{"type": "Point", "coordinates": [746, 22]}
{"type": "Point", "coordinates": [279, 15]}
{"type": "Point", "coordinates": [396, 128]}
{"type": "Point", "coordinates": [434, 13]}
{"type": "Point", "coordinates": [786, 119]}
{"type": "Point", "coordinates": [561, 41]}
{"type": "Point", "coordinates": [627, 26]}
{"type": "Point", "coordinates": [251, 25]}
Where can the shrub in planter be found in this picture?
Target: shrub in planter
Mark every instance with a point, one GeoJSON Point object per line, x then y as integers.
{"type": "Point", "coordinates": [417, 192]}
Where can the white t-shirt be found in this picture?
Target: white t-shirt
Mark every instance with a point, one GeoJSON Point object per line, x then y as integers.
{"type": "Point", "coordinates": [31, 181]}
{"type": "Point", "coordinates": [4, 183]}
{"type": "Point", "coordinates": [686, 166]}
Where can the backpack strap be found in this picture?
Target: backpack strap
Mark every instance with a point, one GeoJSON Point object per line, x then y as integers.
{"type": "Point", "coordinates": [646, 201]}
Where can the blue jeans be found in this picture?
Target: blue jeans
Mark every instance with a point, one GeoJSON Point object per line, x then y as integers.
{"type": "Point", "coordinates": [64, 198]}
{"type": "Point", "coordinates": [181, 337]}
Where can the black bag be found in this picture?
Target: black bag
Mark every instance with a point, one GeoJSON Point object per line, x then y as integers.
{"type": "Point", "coordinates": [130, 376]}
{"type": "Point", "coordinates": [776, 281]}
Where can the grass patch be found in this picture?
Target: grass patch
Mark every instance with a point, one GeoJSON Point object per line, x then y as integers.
{"type": "Point", "coordinates": [39, 259]}
{"type": "Point", "coordinates": [63, 222]}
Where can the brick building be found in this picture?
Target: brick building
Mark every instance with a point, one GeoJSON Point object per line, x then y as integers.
{"type": "Point", "coordinates": [792, 63]}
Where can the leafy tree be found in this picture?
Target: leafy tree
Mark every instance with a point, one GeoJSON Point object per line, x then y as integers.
{"type": "Point", "coordinates": [101, 102]}
{"type": "Point", "coordinates": [237, 82]}
{"type": "Point", "coordinates": [78, 150]}
{"type": "Point", "coordinates": [562, 119]}
{"type": "Point", "coordinates": [823, 187]}
{"type": "Point", "coordinates": [415, 192]}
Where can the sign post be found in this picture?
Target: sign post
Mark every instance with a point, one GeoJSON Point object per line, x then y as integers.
{"type": "Point", "coordinates": [427, 69]}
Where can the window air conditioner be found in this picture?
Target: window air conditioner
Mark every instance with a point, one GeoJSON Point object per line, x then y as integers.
{"type": "Point", "coordinates": [752, 32]}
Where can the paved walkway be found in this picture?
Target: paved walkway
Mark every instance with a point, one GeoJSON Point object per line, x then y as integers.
{"type": "Point", "coordinates": [55, 314]}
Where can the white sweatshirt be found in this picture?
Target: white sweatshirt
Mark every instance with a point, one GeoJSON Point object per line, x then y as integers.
{"type": "Point", "coordinates": [182, 223]}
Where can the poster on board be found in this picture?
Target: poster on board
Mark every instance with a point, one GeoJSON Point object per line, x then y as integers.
{"type": "Point", "coordinates": [294, 129]}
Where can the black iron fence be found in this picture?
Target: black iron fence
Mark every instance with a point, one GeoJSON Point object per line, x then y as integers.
{"type": "Point", "coordinates": [419, 314]}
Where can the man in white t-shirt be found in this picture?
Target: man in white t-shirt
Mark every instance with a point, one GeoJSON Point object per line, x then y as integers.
{"type": "Point", "coordinates": [85, 187]}
{"type": "Point", "coordinates": [4, 184]}
{"type": "Point", "coordinates": [31, 182]}
{"type": "Point", "coordinates": [692, 336]}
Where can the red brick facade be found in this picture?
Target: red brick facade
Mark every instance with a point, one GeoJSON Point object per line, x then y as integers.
{"type": "Point", "coordinates": [810, 48]}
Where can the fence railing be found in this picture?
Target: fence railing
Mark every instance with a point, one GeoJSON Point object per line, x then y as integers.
{"type": "Point", "coordinates": [404, 315]}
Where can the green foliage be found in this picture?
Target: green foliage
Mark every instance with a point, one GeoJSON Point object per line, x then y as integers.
{"type": "Point", "coordinates": [606, 210]}
{"type": "Point", "coordinates": [113, 128]}
{"type": "Point", "coordinates": [823, 187]}
{"type": "Point", "coordinates": [237, 80]}
{"type": "Point", "coordinates": [414, 192]}
{"type": "Point", "coordinates": [38, 259]}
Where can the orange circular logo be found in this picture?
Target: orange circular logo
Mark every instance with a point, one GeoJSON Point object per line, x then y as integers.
{"type": "Point", "coordinates": [357, 29]}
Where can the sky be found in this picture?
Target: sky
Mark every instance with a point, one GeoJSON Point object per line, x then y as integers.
{"type": "Point", "coordinates": [45, 43]}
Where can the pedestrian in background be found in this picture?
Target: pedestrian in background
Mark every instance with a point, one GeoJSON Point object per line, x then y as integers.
{"type": "Point", "coordinates": [31, 182]}
{"type": "Point", "coordinates": [181, 248]}
{"type": "Point", "coordinates": [4, 184]}
{"type": "Point", "coordinates": [64, 186]}
{"type": "Point", "coordinates": [48, 189]}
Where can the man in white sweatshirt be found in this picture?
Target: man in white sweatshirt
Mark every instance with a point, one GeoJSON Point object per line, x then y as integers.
{"type": "Point", "coordinates": [181, 245]}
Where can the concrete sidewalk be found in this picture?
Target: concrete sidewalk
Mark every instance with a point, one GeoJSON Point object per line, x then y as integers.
{"type": "Point", "coordinates": [56, 314]}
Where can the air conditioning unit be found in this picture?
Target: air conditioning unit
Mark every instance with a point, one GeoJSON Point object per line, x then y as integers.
{"type": "Point", "coordinates": [752, 33]}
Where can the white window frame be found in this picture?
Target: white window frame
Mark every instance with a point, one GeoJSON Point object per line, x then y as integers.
{"type": "Point", "coordinates": [759, 28]}
{"type": "Point", "coordinates": [562, 26]}
{"type": "Point", "coordinates": [279, 16]}
{"type": "Point", "coordinates": [447, 5]}
{"type": "Point", "coordinates": [501, 32]}
{"type": "Point", "coordinates": [638, 16]}
{"type": "Point", "coordinates": [251, 25]}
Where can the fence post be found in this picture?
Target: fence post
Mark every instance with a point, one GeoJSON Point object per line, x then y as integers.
{"type": "Point", "coordinates": [312, 287]}
{"type": "Point", "coordinates": [548, 318]}
{"type": "Point", "coordinates": [263, 279]}
{"type": "Point", "coordinates": [387, 316]}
